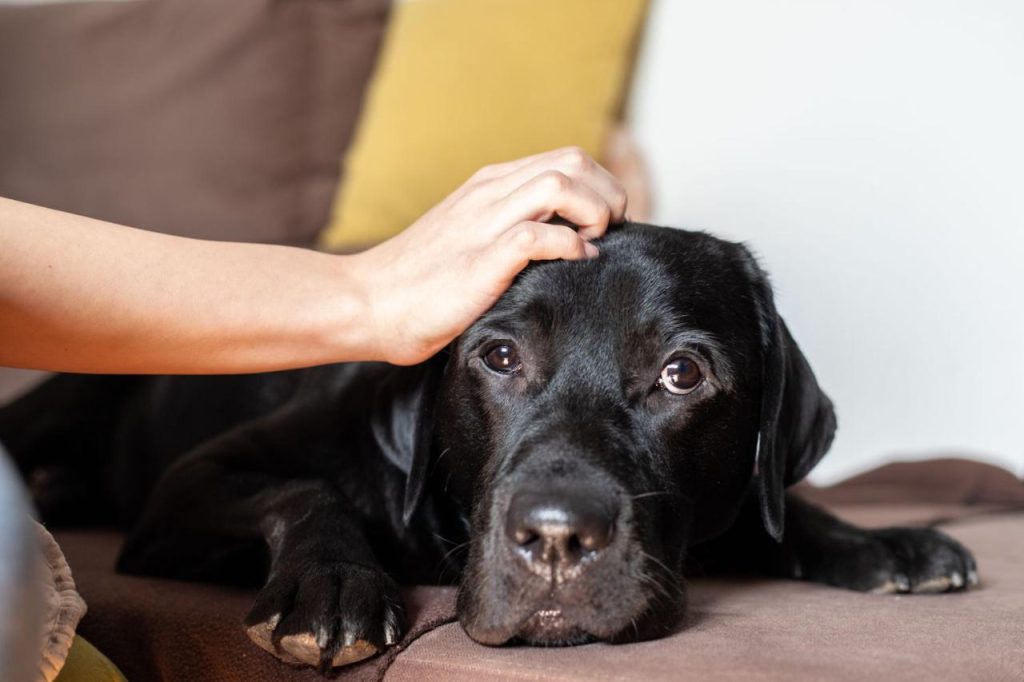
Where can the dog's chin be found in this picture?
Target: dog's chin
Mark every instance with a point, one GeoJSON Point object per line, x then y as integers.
{"type": "Point", "coordinates": [550, 627]}
{"type": "Point", "coordinates": [553, 626]}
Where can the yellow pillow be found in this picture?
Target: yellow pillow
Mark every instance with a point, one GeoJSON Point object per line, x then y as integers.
{"type": "Point", "coordinates": [86, 664]}
{"type": "Point", "coordinates": [464, 83]}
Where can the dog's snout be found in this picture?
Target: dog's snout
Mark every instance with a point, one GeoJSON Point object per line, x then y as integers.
{"type": "Point", "coordinates": [559, 529]}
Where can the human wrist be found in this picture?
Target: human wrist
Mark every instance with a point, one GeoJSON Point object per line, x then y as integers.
{"type": "Point", "coordinates": [353, 331]}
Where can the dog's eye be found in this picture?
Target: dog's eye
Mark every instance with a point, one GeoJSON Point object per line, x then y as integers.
{"type": "Point", "coordinates": [503, 358]}
{"type": "Point", "coordinates": [681, 376]}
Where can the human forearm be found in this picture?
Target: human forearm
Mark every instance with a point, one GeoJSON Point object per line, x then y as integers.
{"type": "Point", "coordinates": [164, 304]}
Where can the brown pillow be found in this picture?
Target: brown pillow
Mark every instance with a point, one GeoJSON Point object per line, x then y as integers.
{"type": "Point", "coordinates": [222, 119]}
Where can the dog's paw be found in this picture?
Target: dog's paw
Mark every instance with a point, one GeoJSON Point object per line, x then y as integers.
{"type": "Point", "coordinates": [897, 561]}
{"type": "Point", "coordinates": [922, 561]}
{"type": "Point", "coordinates": [326, 616]}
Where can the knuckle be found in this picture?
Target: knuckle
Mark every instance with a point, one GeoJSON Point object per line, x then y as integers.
{"type": "Point", "coordinates": [576, 158]}
{"type": "Point", "coordinates": [573, 244]}
{"type": "Point", "coordinates": [483, 174]}
{"type": "Point", "coordinates": [621, 201]}
{"type": "Point", "coordinates": [525, 237]}
{"type": "Point", "coordinates": [554, 181]}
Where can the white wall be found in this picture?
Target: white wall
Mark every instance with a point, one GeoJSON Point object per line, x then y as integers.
{"type": "Point", "coordinates": [872, 152]}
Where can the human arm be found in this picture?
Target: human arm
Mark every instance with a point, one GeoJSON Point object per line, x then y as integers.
{"type": "Point", "coordinates": [83, 295]}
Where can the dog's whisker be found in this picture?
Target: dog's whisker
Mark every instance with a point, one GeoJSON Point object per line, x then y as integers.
{"type": "Point", "coordinates": [657, 562]}
{"type": "Point", "coordinates": [444, 539]}
{"type": "Point", "coordinates": [654, 493]}
{"type": "Point", "coordinates": [670, 574]}
{"type": "Point", "coordinates": [456, 548]}
{"type": "Point", "coordinates": [438, 460]}
{"type": "Point", "coordinates": [444, 565]}
{"type": "Point", "coordinates": [660, 593]}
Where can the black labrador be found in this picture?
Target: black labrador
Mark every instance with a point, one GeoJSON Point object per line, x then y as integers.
{"type": "Point", "coordinates": [605, 425]}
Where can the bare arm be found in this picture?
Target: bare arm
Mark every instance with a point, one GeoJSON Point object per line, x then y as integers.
{"type": "Point", "coordinates": [83, 295]}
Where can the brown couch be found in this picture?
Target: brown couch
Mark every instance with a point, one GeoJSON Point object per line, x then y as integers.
{"type": "Point", "coordinates": [738, 628]}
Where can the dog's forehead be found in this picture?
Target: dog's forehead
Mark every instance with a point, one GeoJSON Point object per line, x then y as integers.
{"type": "Point", "coordinates": [647, 281]}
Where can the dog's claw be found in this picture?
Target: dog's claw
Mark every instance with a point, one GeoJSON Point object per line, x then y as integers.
{"type": "Point", "coordinates": [304, 649]}
{"type": "Point", "coordinates": [349, 613]}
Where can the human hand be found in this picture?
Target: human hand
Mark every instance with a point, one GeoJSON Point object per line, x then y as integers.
{"type": "Point", "coordinates": [425, 286]}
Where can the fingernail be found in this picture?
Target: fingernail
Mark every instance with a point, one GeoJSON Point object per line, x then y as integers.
{"type": "Point", "coordinates": [590, 250]}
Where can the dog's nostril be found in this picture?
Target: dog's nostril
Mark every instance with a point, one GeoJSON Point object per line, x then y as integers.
{"type": "Point", "coordinates": [559, 527]}
{"type": "Point", "coordinates": [574, 545]}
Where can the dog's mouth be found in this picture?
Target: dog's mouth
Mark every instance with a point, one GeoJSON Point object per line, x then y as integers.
{"type": "Point", "coordinates": [567, 615]}
{"type": "Point", "coordinates": [551, 627]}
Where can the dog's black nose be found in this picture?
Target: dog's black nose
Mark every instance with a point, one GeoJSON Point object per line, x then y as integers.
{"type": "Point", "coordinates": [560, 528]}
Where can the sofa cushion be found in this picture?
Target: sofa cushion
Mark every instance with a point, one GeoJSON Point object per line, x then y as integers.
{"type": "Point", "coordinates": [221, 119]}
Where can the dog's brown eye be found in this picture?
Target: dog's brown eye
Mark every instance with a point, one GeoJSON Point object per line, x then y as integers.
{"type": "Point", "coordinates": [503, 358]}
{"type": "Point", "coordinates": [681, 376]}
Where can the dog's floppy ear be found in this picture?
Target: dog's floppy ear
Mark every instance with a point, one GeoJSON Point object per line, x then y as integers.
{"type": "Point", "coordinates": [403, 424]}
{"type": "Point", "coordinates": [797, 420]}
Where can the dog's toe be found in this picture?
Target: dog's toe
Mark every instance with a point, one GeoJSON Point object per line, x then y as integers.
{"type": "Point", "coordinates": [926, 561]}
{"type": "Point", "coordinates": [896, 584]}
{"type": "Point", "coordinates": [326, 617]}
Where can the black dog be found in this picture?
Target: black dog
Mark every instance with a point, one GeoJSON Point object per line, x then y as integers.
{"type": "Point", "coordinates": [604, 423]}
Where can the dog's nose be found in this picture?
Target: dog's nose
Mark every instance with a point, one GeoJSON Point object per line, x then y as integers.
{"type": "Point", "coordinates": [558, 529]}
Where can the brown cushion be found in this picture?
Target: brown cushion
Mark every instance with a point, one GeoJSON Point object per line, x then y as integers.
{"type": "Point", "coordinates": [172, 630]}
{"type": "Point", "coordinates": [221, 119]}
{"type": "Point", "coordinates": [738, 629]}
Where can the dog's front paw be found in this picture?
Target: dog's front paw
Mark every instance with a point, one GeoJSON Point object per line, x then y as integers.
{"type": "Point", "coordinates": [326, 616]}
{"type": "Point", "coordinates": [923, 560]}
{"type": "Point", "coordinates": [896, 560]}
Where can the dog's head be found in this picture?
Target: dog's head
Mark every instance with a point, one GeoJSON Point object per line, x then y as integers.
{"type": "Point", "coordinates": [604, 416]}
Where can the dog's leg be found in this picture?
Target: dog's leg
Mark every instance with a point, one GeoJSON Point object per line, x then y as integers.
{"type": "Point", "coordinates": [821, 548]}
{"type": "Point", "coordinates": [326, 601]}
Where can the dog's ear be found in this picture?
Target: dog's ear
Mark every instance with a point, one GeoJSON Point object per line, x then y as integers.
{"type": "Point", "coordinates": [403, 424]}
{"type": "Point", "coordinates": [797, 420]}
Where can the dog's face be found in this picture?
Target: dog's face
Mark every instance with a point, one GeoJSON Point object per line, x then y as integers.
{"type": "Point", "coordinates": [603, 416]}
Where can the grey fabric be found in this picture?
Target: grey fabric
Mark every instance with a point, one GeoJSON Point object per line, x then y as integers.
{"type": "Point", "coordinates": [16, 382]}
{"type": "Point", "coordinates": [22, 604]}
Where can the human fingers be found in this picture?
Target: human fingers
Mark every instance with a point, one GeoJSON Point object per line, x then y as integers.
{"type": "Point", "coordinates": [535, 241]}
{"type": "Point", "coordinates": [572, 162]}
{"type": "Point", "coordinates": [552, 194]}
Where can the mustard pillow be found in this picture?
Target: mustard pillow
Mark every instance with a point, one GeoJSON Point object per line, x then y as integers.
{"type": "Point", "coordinates": [464, 83]}
{"type": "Point", "coordinates": [86, 664]}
